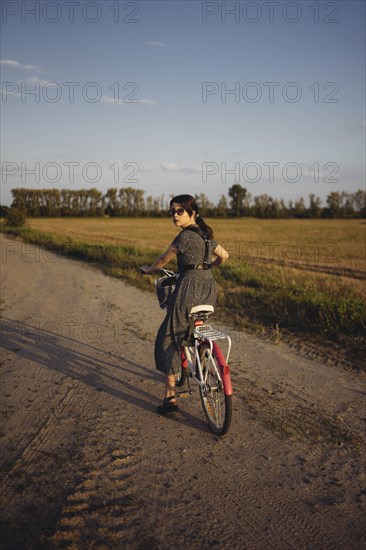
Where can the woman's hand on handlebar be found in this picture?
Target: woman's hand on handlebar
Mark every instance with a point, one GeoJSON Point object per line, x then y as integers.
{"type": "Point", "coordinates": [144, 269]}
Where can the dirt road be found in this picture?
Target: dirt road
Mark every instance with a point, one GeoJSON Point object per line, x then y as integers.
{"type": "Point", "coordinates": [88, 463]}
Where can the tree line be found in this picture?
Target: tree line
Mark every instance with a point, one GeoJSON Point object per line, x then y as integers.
{"type": "Point", "coordinates": [128, 201]}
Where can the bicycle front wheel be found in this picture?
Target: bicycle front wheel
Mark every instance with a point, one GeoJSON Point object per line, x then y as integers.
{"type": "Point", "coordinates": [217, 406]}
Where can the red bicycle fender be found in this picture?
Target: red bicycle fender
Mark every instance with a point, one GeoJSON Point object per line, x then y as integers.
{"type": "Point", "coordinates": [183, 358]}
{"type": "Point", "coordinates": [225, 369]}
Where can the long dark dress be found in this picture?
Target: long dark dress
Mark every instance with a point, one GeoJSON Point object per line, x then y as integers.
{"type": "Point", "coordinates": [194, 287]}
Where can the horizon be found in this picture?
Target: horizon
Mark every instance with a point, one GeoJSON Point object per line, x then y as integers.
{"type": "Point", "coordinates": [148, 205]}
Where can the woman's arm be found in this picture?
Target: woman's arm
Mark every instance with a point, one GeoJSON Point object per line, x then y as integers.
{"type": "Point", "coordinates": [221, 256]}
{"type": "Point", "coordinates": [161, 261]}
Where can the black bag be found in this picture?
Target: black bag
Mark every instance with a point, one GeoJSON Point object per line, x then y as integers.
{"type": "Point", "coordinates": [165, 287]}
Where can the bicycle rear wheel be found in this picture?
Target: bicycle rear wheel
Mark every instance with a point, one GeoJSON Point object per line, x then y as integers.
{"type": "Point", "coordinates": [217, 406]}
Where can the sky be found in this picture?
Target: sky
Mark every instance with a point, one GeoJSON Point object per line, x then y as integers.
{"type": "Point", "coordinates": [183, 96]}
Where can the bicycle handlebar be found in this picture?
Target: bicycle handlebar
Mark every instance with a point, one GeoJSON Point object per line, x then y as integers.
{"type": "Point", "coordinates": [161, 270]}
{"type": "Point", "coordinates": [166, 271]}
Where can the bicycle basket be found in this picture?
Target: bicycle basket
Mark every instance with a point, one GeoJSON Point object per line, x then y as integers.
{"type": "Point", "coordinates": [164, 287]}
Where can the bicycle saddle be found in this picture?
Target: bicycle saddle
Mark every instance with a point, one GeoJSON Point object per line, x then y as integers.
{"type": "Point", "coordinates": [205, 308]}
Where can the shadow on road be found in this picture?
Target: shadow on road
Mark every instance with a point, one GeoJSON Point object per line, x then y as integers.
{"type": "Point", "coordinates": [103, 370]}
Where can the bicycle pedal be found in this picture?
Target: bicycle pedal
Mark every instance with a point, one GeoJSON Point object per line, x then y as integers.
{"type": "Point", "coordinates": [185, 393]}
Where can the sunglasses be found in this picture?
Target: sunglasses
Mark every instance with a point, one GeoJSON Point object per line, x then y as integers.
{"type": "Point", "coordinates": [179, 211]}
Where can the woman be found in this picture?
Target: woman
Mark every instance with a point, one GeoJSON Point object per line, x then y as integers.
{"type": "Point", "coordinates": [195, 286]}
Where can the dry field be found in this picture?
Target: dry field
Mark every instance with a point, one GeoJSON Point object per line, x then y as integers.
{"type": "Point", "coordinates": [328, 254]}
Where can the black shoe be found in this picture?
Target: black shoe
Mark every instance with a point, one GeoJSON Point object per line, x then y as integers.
{"type": "Point", "coordinates": [167, 407]}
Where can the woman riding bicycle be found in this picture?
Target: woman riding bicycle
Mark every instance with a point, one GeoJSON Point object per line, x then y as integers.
{"type": "Point", "coordinates": [195, 285]}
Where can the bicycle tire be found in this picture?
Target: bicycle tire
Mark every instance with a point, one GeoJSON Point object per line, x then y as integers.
{"type": "Point", "coordinates": [217, 406]}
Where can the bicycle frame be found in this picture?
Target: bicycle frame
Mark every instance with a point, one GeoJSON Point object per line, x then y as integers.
{"type": "Point", "coordinates": [204, 334]}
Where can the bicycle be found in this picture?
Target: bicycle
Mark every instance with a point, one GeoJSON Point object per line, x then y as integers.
{"type": "Point", "coordinates": [204, 362]}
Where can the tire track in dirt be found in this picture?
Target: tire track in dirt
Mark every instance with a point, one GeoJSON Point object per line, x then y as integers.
{"type": "Point", "coordinates": [316, 268]}
{"type": "Point", "coordinates": [193, 488]}
{"type": "Point", "coordinates": [38, 480]}
{"type": "Point", "coordinates": [289, 530]}
{"type": "Point", "coordinates": [24, 422]}
{"type": "Point", "coordinates": [105, 508]}
{"type": "Point", "coordinates": [93, 478]}
{"type": "Point", "coordinates": [241, 505]}
{"type": "Point", "coordinates": [291, 416]}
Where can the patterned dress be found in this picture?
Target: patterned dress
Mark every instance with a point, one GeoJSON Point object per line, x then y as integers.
{"type": "Point", "coordinates": [194, 287]}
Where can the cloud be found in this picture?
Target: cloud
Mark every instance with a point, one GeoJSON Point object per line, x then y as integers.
{"type": "Point", "coordinates": [112, 101]}
{"type": "Point", "coordinates": [141, 167]}
{"type": "Point", "coordinates": [173, 167]}
{"type": "Point", "coordinates": [156, 43]}
{"type": "Point", "coordinates": [146, 168]}
{"type": "Point", "coordinates": [17, 65]}
{"type": "Point", "coordinates": [35, 80]}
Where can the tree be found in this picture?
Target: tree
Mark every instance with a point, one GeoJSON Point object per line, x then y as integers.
{"type": "Point", "coordinates": [19, 199]}
{"type": "Point", "coordinates": [95, 200]}
{"type": "Point", "coordinates": [113, 204]}
{"type": "Point", "coordinates": [237, 194]}
{"type": "Point", "coordinates": [334, 201]}
{"type": "Point", "coordinates": [315, 208]}
{"type": "Point", "coordinates": [138, 202]}
{"type": "Point", "coordinates": [65, 202]}
{"type": "Point", "coordinates": [263, 206]}
{"type": "Point", "coordinates": [15, 217]}
{"type": "Point", "coordinates": [247, 200]}
{"type": "Point", "coordinates": [3, 210]}
{"type": "Point", "coordinates": [126, 195]}
{"type": "Point", "coordinates": [150, 205]}
{"type": "Point", "coordinates": [300, 208]}
{"type": "Point", "coordinates": [284, 209]}
{"type": "Point", "coordinates": [360, 203]}
{"type": "Point", "coordinates": [222, 206]}
{"type": "Point", "coordinates": [203, 203]}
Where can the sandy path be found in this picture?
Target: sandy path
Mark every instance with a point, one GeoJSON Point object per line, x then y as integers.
{"type": "Point", "coordinates": [88, 463]}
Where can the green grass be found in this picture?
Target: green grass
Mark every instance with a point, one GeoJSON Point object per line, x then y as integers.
{"type": "Point", "coordinates": [271, 300]}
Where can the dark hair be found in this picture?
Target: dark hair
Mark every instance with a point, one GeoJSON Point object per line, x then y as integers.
{"type": "Point", "coordinates": [189, 204]}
